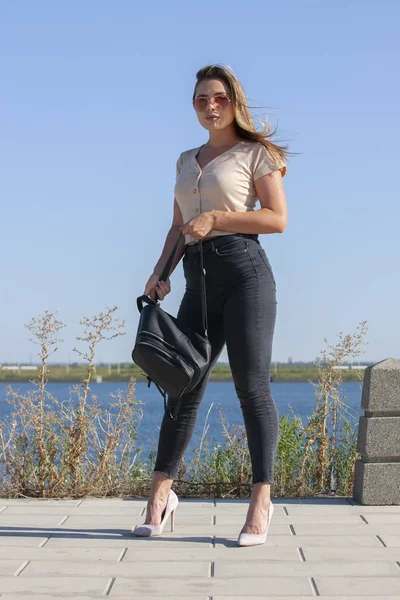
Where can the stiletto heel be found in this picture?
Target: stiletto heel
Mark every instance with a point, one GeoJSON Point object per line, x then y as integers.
{"type": "Point", "coordinates": [151, 530]}
{"type": "Point", "coordinates": [256, 539]}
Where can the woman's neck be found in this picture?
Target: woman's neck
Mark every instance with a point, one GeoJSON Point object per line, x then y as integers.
{"type": "Point", "coordinates": [222, 139]}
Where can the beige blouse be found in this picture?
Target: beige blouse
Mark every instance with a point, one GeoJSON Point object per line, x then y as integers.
{"type": "Point", "coordinates": [225, 183]}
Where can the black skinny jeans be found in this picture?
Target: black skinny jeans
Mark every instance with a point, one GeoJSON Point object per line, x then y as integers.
{"type": "Point", "coordinates": [241, 309]}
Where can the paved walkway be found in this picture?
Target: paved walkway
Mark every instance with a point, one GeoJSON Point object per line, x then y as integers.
{"type": "Point", "coordinates": [331, 548]}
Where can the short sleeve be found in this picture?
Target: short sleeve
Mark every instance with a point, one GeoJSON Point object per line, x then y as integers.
{"type": "Point", "coordinates": [178, 167]}
{"type": "Point", "coordinates": [265, 164]}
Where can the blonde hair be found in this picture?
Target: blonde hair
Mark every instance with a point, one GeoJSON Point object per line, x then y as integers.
{"type": "Point", "coordinates": [243, 121]}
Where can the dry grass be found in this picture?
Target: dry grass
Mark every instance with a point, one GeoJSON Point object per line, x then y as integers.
{"type": "Point", "coordinates": [77, 447]}
{"type": "Point", "coordinates": [50, 448]}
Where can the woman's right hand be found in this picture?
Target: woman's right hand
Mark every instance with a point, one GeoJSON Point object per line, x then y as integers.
{"type": "Point", "coordinates": [154, 285]}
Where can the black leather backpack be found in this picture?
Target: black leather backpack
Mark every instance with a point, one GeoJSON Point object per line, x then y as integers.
{"type": "Point", "coordinates": [172, 356]}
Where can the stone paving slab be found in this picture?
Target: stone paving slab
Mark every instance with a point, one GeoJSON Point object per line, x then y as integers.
{"type": "Point", "coordinates": [139, 503]}
{"type": "Point", "coordinates": [65, 594]}
{"type": "Point", "coordinates": [97, 522]}
{"type": "Point", "coordinates": [21, 539]}
{"type": "Point", "coordinates": [366, 586]}
{"type": "Point", "coordinates": [53, 554]}
{"type": "Point", "coordinates": [326, 519]}
{"type": "Point", "coordinates": [123, 526]}
{"type": "Point", "coordinates": [54, 585]}
{"type": "Point", "coordinates": [392, 541]}
{"type": "Point", "coordinates": [347, 541]}
{"type": "Point", "coordinates": [374, 518]}
{"type": "Point", "coordinates": [37, 502]}
{"type": "Point", "coordinates": [338, 510]}
{"type": "Point", "coordinates": [261, 568]}
{"type": "Point", "coordinates": [138, 569]}
{"type": "Point", "coordinates": [314, 501]}
{"type": "Point", "coordinates": [9, 567]}
{"type": "Point", "coordinates": [361, 529]}
{"type": "Point", "coordinates": [171, 540]}
{"type": "Point", "coordinates": [113, 501]}
{"type": "Point", "coordinates": [338, 555]}
{"type": "Point", "coordinates": [334, 548]}
{"type": "Point", "coordinates": [301, 511]}
{"type": "Point", "coordinates": [185, 522]}
{"type": "Point", "coordinates": [225, 530]}
{"type": "Point", "coordinates": [281, 586]}
{"type": "Point", "coordinates": [36, 521]}
{"type": "Point", "coordinates": [364, 597]}
{"type": "Point", "coordinates": [193, 510]}
{"type": "Point", "coordinates": [365, 509]}
{"type": "Point", "coordinates": [269, 597]}
{"type": "Point", "coordinates": [75, 511]}
{"type": "Point", "coordinates": [210, 553]}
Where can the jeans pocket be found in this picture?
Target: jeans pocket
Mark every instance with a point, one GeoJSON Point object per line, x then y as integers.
{"type": "Point", "coordinates": [267, 264]}
{"type": "Point", "coordinates": [231, 247]}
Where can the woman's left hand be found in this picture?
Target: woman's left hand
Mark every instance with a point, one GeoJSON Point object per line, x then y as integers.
{"type": "Point", "coordinates": [198, 227]}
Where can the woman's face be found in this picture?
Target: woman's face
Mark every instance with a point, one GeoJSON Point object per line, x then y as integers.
{"type": "Point", "coordinates": [214, 118]}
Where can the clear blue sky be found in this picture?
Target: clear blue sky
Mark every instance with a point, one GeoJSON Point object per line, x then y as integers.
{"type": "Point", "coordinates": [95, 105]}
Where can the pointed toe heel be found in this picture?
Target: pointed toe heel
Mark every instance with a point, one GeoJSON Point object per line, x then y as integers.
{"type": "Point", "coordinates": [169, 511]}
{"type": "Point", "coordinates": [256, 539]}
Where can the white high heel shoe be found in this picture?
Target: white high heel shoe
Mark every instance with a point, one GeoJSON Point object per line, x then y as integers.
{"type": "Point", "coordinates": [151, 530]}
{"type": "Point", "coordinates": [256, 539]}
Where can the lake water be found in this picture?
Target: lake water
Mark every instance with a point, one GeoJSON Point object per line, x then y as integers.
{"type": "Point", "coordinates": [300, 396]}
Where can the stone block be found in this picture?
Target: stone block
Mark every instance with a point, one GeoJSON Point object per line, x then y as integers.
{"type": "Point", "coordinates": [9, 567]}
{"type": "Point", "coordinates": [33, 540]}
{"type": "Point", "coordinates": [192, 586]}
{"type": "Point", "coordinates": [42, 502]}
{"type": "Point", "coordinates": [63, 594]}
{"type": "Point", "coordinates": [35, 522]}
{"type": "Point", "coordinates": [228, 552]}
{"type": "Point", "coordinates": [301, 511]}
{"type": "Point", "coordinates": [358, 586]}
{"type": "Point", "coordinates": [379, 518]}
{"type": "Point", "coordinates": [331, 530]}
{"type": "Point", "coordinates": [324, 519]}
{"type": "Point", "coordinates": [351, 568]}
{"type": "Point", "coordinates": [167, 540]}
{"type": "Point", "coordinates": [381, 387]}
{"type": "Point", "coordinates": [368, 510]}
{"type": "Point", "coordinates": [96, 522]}
{"type": "Point", "coordinates": [377, 483]}
{"type": "Point", "coordinates": [45, 554]}
{"type": "Point", "coordinates": [379, 437]}
{"type": "Point", "coordinates": [100, 568]}
{"type": "Point", "coordinates": [345, 540]}
{"type": "Point", "coordinates": [391, 541]}
{"type": "Point", "coordinates": [330, 554]}
{"type": "Point", "coordinates": [269, 597]}
{"type": "Point", "coordinates": [114, 597]}
{"type": "Point", "coordinates": [54, 586]}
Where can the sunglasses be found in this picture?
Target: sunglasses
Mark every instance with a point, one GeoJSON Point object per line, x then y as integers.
{"type": "Point", "coordinates": [220, 101]}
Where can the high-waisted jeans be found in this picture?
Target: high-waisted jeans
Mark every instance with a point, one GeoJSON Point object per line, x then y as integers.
{"type": "Point", "coordinates": [241, 309]}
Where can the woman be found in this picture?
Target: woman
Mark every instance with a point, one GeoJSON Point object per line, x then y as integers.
{"type": "Point", "coordinates": [217, 186]}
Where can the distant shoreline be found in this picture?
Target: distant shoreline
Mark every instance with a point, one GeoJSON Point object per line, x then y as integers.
{"type": "Point", "coordinates": [115, 373]}
{"type": "Point", "coordinates": [143, 380]}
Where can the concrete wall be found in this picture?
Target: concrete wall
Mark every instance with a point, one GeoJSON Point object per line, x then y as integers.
{"type": "Point", "coordinates": [377, 473]}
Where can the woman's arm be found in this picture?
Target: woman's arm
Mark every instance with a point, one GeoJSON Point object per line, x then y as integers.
{"type": "Point", "coordinates": [270, 218]}
{"type": "Point", "coordinates": [154, 285]}
{"type": "Point", "coordinates": [170, 241]}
